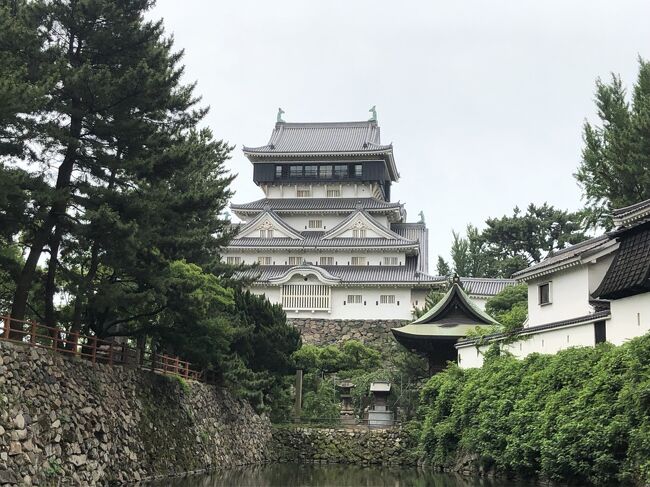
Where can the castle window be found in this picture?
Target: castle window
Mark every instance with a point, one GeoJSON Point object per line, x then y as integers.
{"type": "Point", "coordinates": [264, 260]}
{"type": "Point", "coordinates": [325, 172]}
{"type": "Point", "coordinates": [295, 171]}
{"type": "Point", "coordinates": [359, 233]}
{"type": "Point", "coordinates": [390, 261]}
{"type": "Point", "coordinates": [544, 293]}
{"type": "Point", "coordinates": [387, 299]}
{"type": "Point", "coordinates": [266, 233]}
{"type": "Point", "coordinates": [230, 260]}
{"type": "Point", "coordinates": [303, 193]}
{"type": "Point", "coordinates": [326, 261]}
{"type": "Point", "coordinates": [340, 171]}
{"type": "Point", "coordinates": [355, 298]}
{"type": "Point", "coordinates": [311, 171]}
{"type": "Point", "coordinates": [358, 261]}
{"type": "Point", "coordinates": [334, 193]}
{"type": "Point", "coordinates": [358, 170]}
{"type": "Point", "coordinates": [308, 297]}
{"type": "Point", "coordinates": [278, 172]}
{"type": "Point", "coordinates": [315, 223]}
{"type": "Point", "coordinates": [295, 260]}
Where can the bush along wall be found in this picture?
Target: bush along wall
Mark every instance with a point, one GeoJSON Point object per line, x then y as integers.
{"type": "Point", "coordinates": [581, 416]}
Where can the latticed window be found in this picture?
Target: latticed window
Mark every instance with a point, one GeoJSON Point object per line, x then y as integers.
{"type": "Point", "coordinates": [230, 260]}
{"type": "Point", "coordinates": [333, 193]}
{"type": "Point", "coordinates": [390, 261]}
{"type": "Point", "coordinates": [303, 193]}
{"type": "Point", "coordinates": [315, 223]}
{"type": "Point", "coordinates": [358, 261]}
{"type": "Point", "coordinates": [359, 233]}
{"type": "Point", "coordinates": [295, 260]}
{"type": "Point", "coordinates": [387, 299]}
{"type": "Point", "coordinates": [311, 171]}
{"type": "Point", "coordinates": [355, 298]}
{"type": "Point", "coordinates": [312, 297]}
{"type": "Point", "coordinates": [327, 261]}
{"type": "Point", "coordinates": [264, 260]}
{"type": "Point", "coordinates": [266, 233]}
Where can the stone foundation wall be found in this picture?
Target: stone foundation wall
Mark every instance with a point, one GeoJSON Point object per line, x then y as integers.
{"type": "Point", "coordinates": [64, 421]}
{"type": "Point", "coordinates": [325, 332]}
{"type": "Point", "coordinates": [307, 445]}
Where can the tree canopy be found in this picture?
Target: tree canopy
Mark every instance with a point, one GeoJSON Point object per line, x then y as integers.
{"type": "Point", "coordinates": [511, 243]}
{"type": "Point", "coordinates": [615, 167]}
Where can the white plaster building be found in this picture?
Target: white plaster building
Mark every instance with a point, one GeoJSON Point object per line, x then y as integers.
{"type": "Point", "coordinates": [326, 240]}
{"type": "Point", "coordinates": [595, 291]}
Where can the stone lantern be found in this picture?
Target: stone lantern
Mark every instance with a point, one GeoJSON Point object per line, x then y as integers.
{"type": "Point", "coordinates": [347, 409]}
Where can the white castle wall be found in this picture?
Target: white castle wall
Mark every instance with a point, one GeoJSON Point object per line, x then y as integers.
{"type": "Point", "coordinates": [630, 318]}
{"type": "Point", "coordinates": [319, 190]}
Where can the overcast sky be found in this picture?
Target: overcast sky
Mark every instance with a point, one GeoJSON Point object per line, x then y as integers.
{"type": "Point", "coordinates": [484, 101]}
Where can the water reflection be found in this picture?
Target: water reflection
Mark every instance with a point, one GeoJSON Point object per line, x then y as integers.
{"type": "Point", "coordinates": [309, 475]}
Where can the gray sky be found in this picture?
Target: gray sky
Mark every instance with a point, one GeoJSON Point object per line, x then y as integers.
{"type": "Point", "coordinates": [484, 101]}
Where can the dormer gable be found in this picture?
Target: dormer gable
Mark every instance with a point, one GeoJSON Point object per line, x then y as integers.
{"type": "Point", "coordinates": [268, 225]}
{"type": "Point", "coordinates": [361, 224]}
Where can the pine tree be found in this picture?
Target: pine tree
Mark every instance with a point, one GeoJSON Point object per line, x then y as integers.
{"type": "Point", "coordinates": [615, 167]}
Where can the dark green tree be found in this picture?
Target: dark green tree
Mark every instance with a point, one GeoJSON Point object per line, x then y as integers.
{"type": "Point", "coordinates": [615, 167]}
{"type": "Point", "coordinates": [442, 267]}
{"type": "Point", "coordinates": [509, 307]}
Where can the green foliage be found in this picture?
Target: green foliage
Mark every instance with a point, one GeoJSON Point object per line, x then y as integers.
{"type": "Point", "coordinates": [509, 307]}
{"type": "Point", "coordinates": [432, 298]}
{"type": "Point", "coordinates": [321, 404]}
{"type": "Point", "coordinates": [362, 365]}
{"type": "Point", "coordinates": [511, 243]}
{"type": "Point", "coordinates": [580, 416]}
{"type": "Point", "coordinates": [615, 167]}
{"type": "Point", "coordinates": [442, 267]}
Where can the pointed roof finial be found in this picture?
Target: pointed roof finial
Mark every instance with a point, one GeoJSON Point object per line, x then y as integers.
{"type": "Point", "coordinates": [373, 110]}
{"type": "Point", "coordinates": [280, 113]}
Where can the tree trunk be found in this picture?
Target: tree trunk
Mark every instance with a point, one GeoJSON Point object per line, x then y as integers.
{"type": "Point", "coordinates": [50, 281]}
{"type": "Point", "coordinates": [26, 278]}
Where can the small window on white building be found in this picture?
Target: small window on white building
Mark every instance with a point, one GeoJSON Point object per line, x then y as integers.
{"type": "Point", "coordinates": [326, 261]}
{"type": "Point", "coordinates": [266, 233]}
{"type": "Point", "coordinates": [387, 299]}
{"type": "Point", "coordinates": [303, 193]}
{"type": "Point", "coordinates": [390, 261]}
{"type": "Point", "coordinates": [295, 260]}
{"type": "Point", "coordinates": [355, 298]}
{"type": "Point", "coordinates": [230, 260]}
{"type": "Point", "coordinates": [311, 171]}
{"type": "Point", "coordinates": [334, 193]}
{"type": "Point", "coordinates": [315, 223]}
{"type": "Point", "coordinates": [359, 233]}
{"type": "Point", "coordinates": [278, 172]}
{"type": "Point", "coordinates": [544, 293]}
{"type": "Point", "coordinates": [264, 260]}
{"type": "Point", "coordinates": [358, 261]}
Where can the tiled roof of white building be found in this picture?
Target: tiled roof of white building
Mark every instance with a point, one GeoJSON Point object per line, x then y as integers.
{"type": "Point", "coordinates": [316, 240]}
{"type": "Point", "coordinates": [419, 233]}
{"type": "Point", "coordinates": [323, 137]}
{"type": "Point", "coordinates": [484, 286]}
{"type": "Point", "coordinates": [281, 205]}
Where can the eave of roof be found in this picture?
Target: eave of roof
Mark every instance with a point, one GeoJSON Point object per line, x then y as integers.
{"type": "Point", "coordinates": [433, 330]}
{"type": "Point", "coordinates": [632, 214]}
{"type": "Point", "coordinates": [580, 320]}
{"type": "Point", "coordinates": [455, 292]}
{"type": "Point", "coordinates": [565, 258]}
{"type": "Point", "coordinates": [299, 205]}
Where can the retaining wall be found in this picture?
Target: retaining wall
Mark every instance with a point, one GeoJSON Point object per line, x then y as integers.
{"type": "Point", "coordinates": [325, 332]}
{"type": "Point", "coordinates": [67, 421]}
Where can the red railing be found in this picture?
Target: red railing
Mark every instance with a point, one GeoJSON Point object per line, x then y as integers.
{"type": "Point", "coordinates": [92, 348]}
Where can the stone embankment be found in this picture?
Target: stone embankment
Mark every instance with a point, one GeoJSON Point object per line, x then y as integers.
{"type": "Point", "coordinates": [326, 332]}
{"type": "Point", "coordinates": [64, 421]}
{"type": "Point", "coordinates": [325, 445]}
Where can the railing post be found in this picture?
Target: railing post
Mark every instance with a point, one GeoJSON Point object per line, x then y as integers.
{"type": "Point", "coordinates": [5, 332]}
{"type": "Point", "coordinates": [110, 354]}
{"type": "Point", "coordinates": [187, 369]}
{"type": "Point", "coordinates": [94, 349]}
{"type": "Point", "coordinates": [32, 337]}
{"type": "Point", "coordinates": [75, 342]}
{"type": "Point", "coordinates": [176, 367]}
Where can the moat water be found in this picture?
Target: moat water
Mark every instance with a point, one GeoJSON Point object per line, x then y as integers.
{"type": "Point", "coordinates": [311, 475]}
